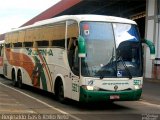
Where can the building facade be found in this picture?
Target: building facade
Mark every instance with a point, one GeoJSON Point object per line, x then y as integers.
{"type": "Point", "coordinates": [152, 32]}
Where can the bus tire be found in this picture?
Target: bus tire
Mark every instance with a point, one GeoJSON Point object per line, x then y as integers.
{"type": "Point", "coordinates": [14, 82]}
{"type": "Point", "coordinates": [19, 79]}
{"type": "Point", "coordinates": [59, 90]}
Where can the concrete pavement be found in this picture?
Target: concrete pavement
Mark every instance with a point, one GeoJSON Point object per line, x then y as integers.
{"type": "Point", "coordinates": [32, 102]}
{"type": "Point", "coordinates": [151, 91]}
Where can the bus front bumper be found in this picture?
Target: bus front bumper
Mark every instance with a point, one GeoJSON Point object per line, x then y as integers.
{"type": "Point", "coordinates": [95, 96]}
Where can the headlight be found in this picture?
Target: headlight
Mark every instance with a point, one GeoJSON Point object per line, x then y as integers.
{"type": "Point", "coordinates": [90, 87]}
{"type": "Point", "coordinates": [86, 87]}
{"type": "Point", "coordinates": [137, 87]}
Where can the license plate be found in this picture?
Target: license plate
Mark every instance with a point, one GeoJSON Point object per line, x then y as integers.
{"type": "Point", "coordinates": [114, 97]}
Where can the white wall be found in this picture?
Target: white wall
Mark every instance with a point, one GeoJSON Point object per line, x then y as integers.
{"type": "Point", "coordinates": [150, 34]}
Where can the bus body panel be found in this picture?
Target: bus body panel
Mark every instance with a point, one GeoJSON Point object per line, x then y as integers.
{"type": "Point", "coordinates": [1, 65]}
{"type": "Point", "coordinates": [41, 69]}
{"type": "Point", "coordinates": [1, 56]}
{"type": "Point", "coordinates": [94, 96]}
{"type": "Point", "coordinates": [104, 89]}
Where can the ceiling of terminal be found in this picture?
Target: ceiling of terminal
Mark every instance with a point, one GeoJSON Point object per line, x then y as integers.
{"type": "Point", "coordinates": [122, 8]}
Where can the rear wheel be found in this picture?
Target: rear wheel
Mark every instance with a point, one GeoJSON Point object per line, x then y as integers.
{"type": "Point", "coordinates": [19, 80]}
{"type": "Point", "coordinates": [14, 82]}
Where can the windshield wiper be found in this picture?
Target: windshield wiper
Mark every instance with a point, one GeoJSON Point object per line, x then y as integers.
{"type": "Point", "coordinates": [112, 58]}
{"type": "Point", "coordinates": [103, 72]}
{"type": "Point", "coordinates": [126, 68]}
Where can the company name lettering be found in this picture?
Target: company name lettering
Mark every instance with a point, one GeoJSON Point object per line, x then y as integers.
{"type": "Point", "coordinates": [43, 52]}
{"type": "Point", "coordinates": [116, 83]}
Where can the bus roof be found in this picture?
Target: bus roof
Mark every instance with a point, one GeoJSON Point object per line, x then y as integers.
{"type": "Point", "coordinates": [86, 17]}
{"type": "Point", "coordinates": [79, 18]}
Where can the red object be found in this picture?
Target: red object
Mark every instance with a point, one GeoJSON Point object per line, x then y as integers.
{"type": "Point", "coordinates": [53, 11]}
{"type": "Point", "coordinates": [85, 27]}
{"type": "Point", "coordinates": [114, 97]}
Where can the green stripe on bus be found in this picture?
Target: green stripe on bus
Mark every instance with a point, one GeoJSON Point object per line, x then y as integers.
{"type": "Point", "coordinates": [93, 96]}
{"type": "Point", "coordinates": [42, 74]}
{"type": "Point", "coordinates": [49, 72]}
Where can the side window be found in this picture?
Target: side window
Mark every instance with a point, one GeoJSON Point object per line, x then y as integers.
{"type": "Point", "coordinates": [51, 35]}
{"type": "Point", "coordinates": [43, 43]}
{"type": "Point", "coordinates": [21, 36]}
{"type": "Point", "coordinates": [30, 35]}
{"type": "Point", "coordinates": [14, 37]}
{"type": "Point", "coordinates": [7, 45]}
{"type": "Point", "coordinates": [72, 46]}
{"type": "Point", "coordinates": [58, 43]}
{"type": "Point", "coordinates": [19, 44]}
{"type": "Point", "coordinates": [28, 44]}
{"type": "Point", "coordinates": [158, 7]}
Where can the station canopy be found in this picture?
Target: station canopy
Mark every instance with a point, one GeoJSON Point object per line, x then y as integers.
{"type": "Point", "coordinates": [120, 8]}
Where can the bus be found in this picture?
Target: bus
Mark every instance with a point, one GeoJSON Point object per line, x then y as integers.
{"type": "Point", "coordinates": [85, 58]}
{"type": "Point", "coordinates": [1, 56]}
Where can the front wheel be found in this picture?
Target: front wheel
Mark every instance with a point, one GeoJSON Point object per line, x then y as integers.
{"type": "Point", "coordinates": [61, 92]}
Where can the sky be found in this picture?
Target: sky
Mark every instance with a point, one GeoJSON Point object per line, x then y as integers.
{"type": "Point", "coordinates": [14, 13]}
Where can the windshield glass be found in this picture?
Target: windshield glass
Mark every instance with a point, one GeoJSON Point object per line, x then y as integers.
{"type": "Point", "coordinates": [112, 50]}
{"type": "Point", "coordinates": [128, 50]}
{"type": "Point", "coordinates": [100, 47]}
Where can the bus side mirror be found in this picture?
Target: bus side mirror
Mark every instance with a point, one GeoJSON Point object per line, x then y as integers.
{"type": "Point", "coordinates": [81, 47]}
{"type": "Point", "coordinates": [151, 47]}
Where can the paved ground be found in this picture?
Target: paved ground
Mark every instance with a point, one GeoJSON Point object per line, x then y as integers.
{"type": "Point", "coordinates": [151, 91]}
{"type": "Point", "coordinates": [39, 105]}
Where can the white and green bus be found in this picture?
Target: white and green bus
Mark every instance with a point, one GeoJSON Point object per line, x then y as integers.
{"type": "Point", "coordinates": [80, 57]}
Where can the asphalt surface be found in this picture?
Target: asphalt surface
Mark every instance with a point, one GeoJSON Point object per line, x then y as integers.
{"type": "Point", "coordinates": [32, 104]}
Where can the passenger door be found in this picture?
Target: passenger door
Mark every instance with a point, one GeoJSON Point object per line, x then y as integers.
{"type": "Point", "coordinates": [72, 49]}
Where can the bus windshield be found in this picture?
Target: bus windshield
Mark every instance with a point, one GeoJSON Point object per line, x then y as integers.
{"type": "Point", "coordinates": [112, 50]}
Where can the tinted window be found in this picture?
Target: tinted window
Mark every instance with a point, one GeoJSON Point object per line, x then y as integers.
{"type": "Point", "coordinates": [58, 43]}
{"type": "Point", "coordinates": [158, 7]}
{"type": "Point", "coordinates": [18, 44]}
{"type": "Point", "coordinates": [28, 44]}
{"type": "Point", "coordinates": [7, 45]}
{"type": "Point", "coordinates": [43, 43]}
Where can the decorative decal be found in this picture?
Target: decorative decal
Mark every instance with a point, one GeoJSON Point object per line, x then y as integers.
{"type": "Point", "coordinates": [75, 87]}
{"type": "Point", "coordinates": [90, 82]}
{"type": "Point", "coordinates": [36, 67]}
{"type": "Point", "coordinates": [119, 73]}
{"type": "Point", "coordinates": [86, 29]}
{"type": "Point", "coordinates": [38, 74]}
{"type": "Point", "coordinates": [137, 82]}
